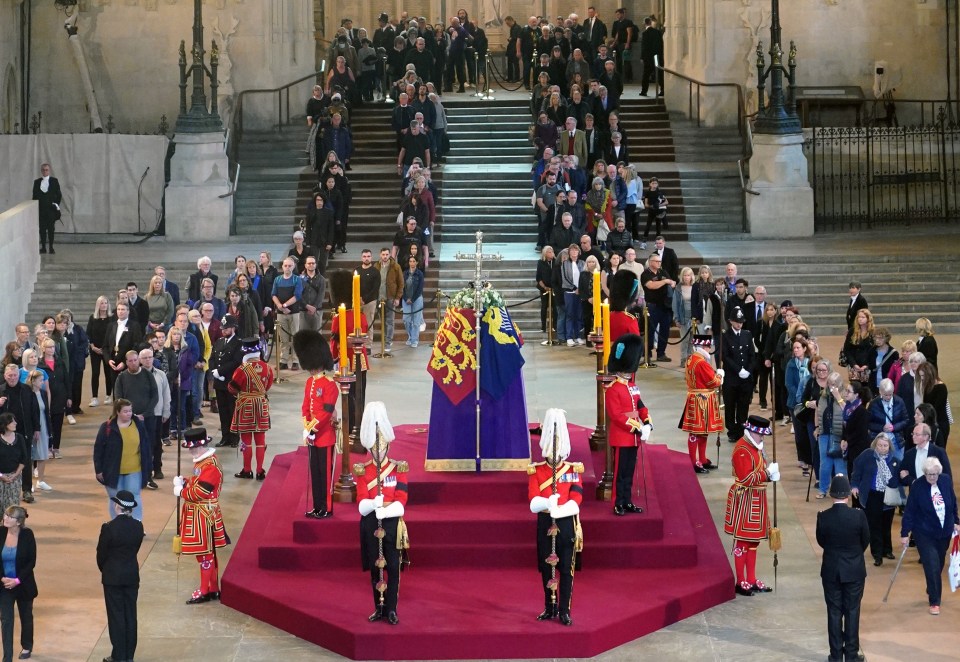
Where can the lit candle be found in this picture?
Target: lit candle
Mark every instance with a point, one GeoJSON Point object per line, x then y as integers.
{"type": "Point", "coordinates": [342, 319]}
{"type": "Point", "coordinates": [356, 303]}
{"type": "Point", "coordinates": [596, 301]}
{"type": "Point", "coordinates": [606, 332]}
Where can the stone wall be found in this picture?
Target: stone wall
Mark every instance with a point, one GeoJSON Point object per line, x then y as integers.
{"type": "Point", "coordinates": [19, 262]}
{"type": "Point", "coordinates": [9, 65]}
{"type": "Point", "coordinates": [838, 41]}
{"type": "Point", "coordinates": [131, 49]}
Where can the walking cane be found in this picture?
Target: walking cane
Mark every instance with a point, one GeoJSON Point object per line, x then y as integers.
{"type": "Point", "coordinates": [809, 483]}
{"type": "Point", "coordinates": [895, 571]}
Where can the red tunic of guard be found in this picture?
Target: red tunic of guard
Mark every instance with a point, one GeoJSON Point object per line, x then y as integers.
{"type": "Point", "coordinates": [320, 396]}
{"type": "Point", "coordinates": [393, 481]}
{"type": "Point", "coordinates": [623, 402]}
{"type": "Point", "coordinates": [569, 485]}
{"type": "Point", "coordinates": [201, 523]}
{"type": "Point", "coordinates": [701, 413]}
{"type": "Point", "coordinates": [250, 383]}
{"type": "Point", "coordinates": [622, 323]}
{"type": "Point", "coordinates": [335, 339]}
{"type": "Point", "coordinates": [746, 514]}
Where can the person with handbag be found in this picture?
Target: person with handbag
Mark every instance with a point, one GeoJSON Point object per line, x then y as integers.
{"type": "Point", "coordinates": [19, 586]}
{"type": "Point", "coordinates": [830, 432]}
{"type": "Point", "coordinates": [875, 482]}
{"type": "Point", "coordinates": [931, 515]}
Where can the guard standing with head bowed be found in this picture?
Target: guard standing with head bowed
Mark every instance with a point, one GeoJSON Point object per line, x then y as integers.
{"type": "Point", "coordinates": [319, 412]}
{"type": "Point", "coordinates": [251, 417]}
{"type": "Point", "coordinates": [381, 496]}
{"type": "Point", "coordinates": [623, 287]}
{"type": "Point", "coordinates": [746, 515]}
{"type": "Point", "coordinates": [201, 522]}
{"type": "Point", "coordinates": [630, 422]}
{"type": "Point", "coordinates": [556, 492]}
{"type": "Point", "coordinates": [738, 364]}
{"type": "Point", "coordinates": [701, 412]}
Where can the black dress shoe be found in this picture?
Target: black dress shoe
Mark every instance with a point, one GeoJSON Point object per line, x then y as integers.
{"type": "Point", "coordinates": [317, 513]}
{"type": "Point", "coordinates": [707, 464]}
{"type": "Point", "coordinates": [158, 475]}
{"type": "Point", "coordinates": [877, 560]}
{"type": "Point", "coordinates": [261, 475]}
{"type": "Point", "coordinates": [199, 599]}
{"type": "Point", "coordinates": [619, 511]}
{"type": "Point", "coordinates": [859, 657]}
{"type": "Point", "coordinates": [700, 469]}
{"type": "Point", "coordinates": [214, 595]}
{"type": "Point", "coordinates": [43, 250]}
{"type": "Point", "coordinates": [375, 616]}
{"type": "Point", "coordinates": [742, 589]}
{"type": "Point", "coordinates": [343, 249]}
{"type": "Point", "coordinates": [889, 555]}
{"type": "Point", "coordinates": [630, 508]}
{"type": "Point", "coordinates": [243, 474]}
{"type": "Point", "coordinates": [547, 614]}
{"type": "Point", "coordinates": [222, 443]}
{"type": "Point", "coordinates": [52, 252]}
{"type": "Point", "coordinates": [664, 359]}
{"type": "Point", "coordinates": [392, 618]}
{"type": "Point", "coordinates": [566, 620]}
{"type": "Point", "coordinates": [760, 587]}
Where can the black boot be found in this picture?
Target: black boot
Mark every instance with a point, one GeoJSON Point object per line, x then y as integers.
{"type": "Point", "coordinates": [43, 249]}
{"type": "Point", "coordinates": [549, 612]}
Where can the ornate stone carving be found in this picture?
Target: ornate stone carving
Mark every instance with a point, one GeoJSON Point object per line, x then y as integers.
{"type": "Point", "coordinates": [223, 30]}
{"type": "Point", "coordinates": [756, 21]}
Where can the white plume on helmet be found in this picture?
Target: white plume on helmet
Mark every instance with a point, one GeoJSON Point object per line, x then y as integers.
{"type": "Point", "coordinates": [555, 425]}
{"type": "Point", "coordinates": [374, 418]}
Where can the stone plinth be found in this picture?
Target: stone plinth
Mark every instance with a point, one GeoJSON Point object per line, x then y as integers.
{"type": "Point", "coordinates": [199, 174]}
{"type": "Point", "coordinates": [778, 172]}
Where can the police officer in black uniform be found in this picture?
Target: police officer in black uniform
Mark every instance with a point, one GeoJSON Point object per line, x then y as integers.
{"type": "Point", "coordinates": [738, 365]}
{"type": "Point", "coordinates": [226, 357]}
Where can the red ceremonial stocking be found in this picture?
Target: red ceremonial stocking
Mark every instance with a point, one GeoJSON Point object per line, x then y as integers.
{"type": "Point", "coordinates": [260, 443]}
{"type": "Point", "coordinates": [752, 562]}
{"type": "Point", "coordinates": [702, 447]}
{"type": "Point", "coordinates": [208, 573]}
{"type": "Point", "coordinates": [740, 560]}
{"type": "Point", "coordinates": [692, 447]}
{"type": "Point", "coordinates": [246, 439]}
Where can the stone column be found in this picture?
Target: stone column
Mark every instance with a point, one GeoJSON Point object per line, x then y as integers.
{"type": "Point", "coordinates": [199, 174]}
{"type": "Point", "coordinates": [778, 172]}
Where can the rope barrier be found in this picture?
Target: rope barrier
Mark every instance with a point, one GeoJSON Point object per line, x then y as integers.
{"type": "Point", "coordinates": [498, 77]}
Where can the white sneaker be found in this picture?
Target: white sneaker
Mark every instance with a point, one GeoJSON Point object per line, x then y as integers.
{"type": "Point", "coordinates": [94, 403]}
{"type": "Point", "coordinates": [581, 341]}
{"type": "Point", "coordinates": [643, 245]}
{"type": "Point", "coordinates": [545, 343]}
{"type": "Point", "coordinates": [43, 486]}
{"type": "Point", "coordinates": [107, 400]}
{"type": "Point", "coordinates": [571, 342]}
{"type": "Point", "coordinates": [71, 420]}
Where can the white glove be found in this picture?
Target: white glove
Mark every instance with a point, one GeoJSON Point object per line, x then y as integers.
{"type": "Point", "coordinates": [566, 510]}
{"type": "Point", "coordinates": [395, 509]}
{"type": "Point", "coordinates": [774, 477]}
{"type": "Point", "coordinates": [554, 500]}
{"type": "Point", "coordinates": [216, 375]}
{"type": "Point", "coordinates": [366, 507]}
{"type": "Point", "coordinates": [773, 468]}
{"type": "Point", "coordinates": [538, 504]}
{"type": "Point", "coordinates": [721, 373]}
{"type": "Point", "coordinates": [378, 501]}
{"type": "Point", "coordinates": [307, 434]}
{"type": "Point", "coordinates": [177, 485]}
{"type": "Point", "coordinates": [645, 431]}
{"type": "Point", "coordinates": [743, 373]}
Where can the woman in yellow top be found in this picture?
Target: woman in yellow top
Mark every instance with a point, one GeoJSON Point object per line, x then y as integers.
{"type": "Point", "coordinates": [122, 458]}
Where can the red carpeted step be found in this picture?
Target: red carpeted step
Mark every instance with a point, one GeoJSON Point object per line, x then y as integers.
{"type": "Point", "coordinates": [477, 599]}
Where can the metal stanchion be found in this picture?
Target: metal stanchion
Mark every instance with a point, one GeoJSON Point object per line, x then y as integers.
{"type": "Point", "coordinates": [486, 77]}
{"type": "Point", "coordinates": [646, 339]}
{"type": "Point", "coordinates": [383, 333]}
{"type": "Point", "coordinates": [479, 92]}
{"type": "Point", "coordinates": [550, 339]}
{"type": "Point", "coordinates": [276, 349]}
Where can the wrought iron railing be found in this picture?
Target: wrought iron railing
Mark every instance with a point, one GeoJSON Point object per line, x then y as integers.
{"type": "Point", "coordinates": [868, 176]}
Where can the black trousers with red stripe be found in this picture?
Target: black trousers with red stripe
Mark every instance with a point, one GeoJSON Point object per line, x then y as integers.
{"type": "Point", "coordinates": [625, 464]}
{"type": "Point", "coordinates": [321, 472]}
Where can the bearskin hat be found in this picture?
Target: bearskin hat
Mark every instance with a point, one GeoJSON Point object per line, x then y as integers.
{"type": "Point", "coordinates": [341, 287]}
{"type": "Point", "coordinates": [623, 289]}
{"type": "Point", "coordinates": [312, 350]}
{"type": "Point", "coordinates": [625, 353]}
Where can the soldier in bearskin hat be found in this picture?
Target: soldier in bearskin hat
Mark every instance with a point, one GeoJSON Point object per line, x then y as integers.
{"type": "Point", "coordinates": [251, 417]}
{"type": "Point", "coordinates": [556, 491]}
{"type": "Point", "coordinates": [381, 498]}
{"type": "Point", "coordinates": [630, 422]}
{"type": "Point", "coordinates": [701, 412]}
{"type": "Point", "coordinates": [623, 287]}
{"type": "Point", "coordinates": [319, 411]}
{"type": "Point", "coordinates": [201, 523]}
{"type": "Point", "coordinates": [746, 514]}
{"type": "Point", "coordinates": [341, 284]}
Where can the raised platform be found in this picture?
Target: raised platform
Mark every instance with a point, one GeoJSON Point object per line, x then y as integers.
{"type": "Point", "coordinates": [473, 590]}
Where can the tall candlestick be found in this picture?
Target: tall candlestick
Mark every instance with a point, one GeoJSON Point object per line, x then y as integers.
{"type": "Point", "coordinates": [342, 319]}
{"type": "Point", "coordinates": [606, 331]}
{"type": "Point", "coordinates": [356, 303]}
{"type": "Point", "coordinates": [596, 301]}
